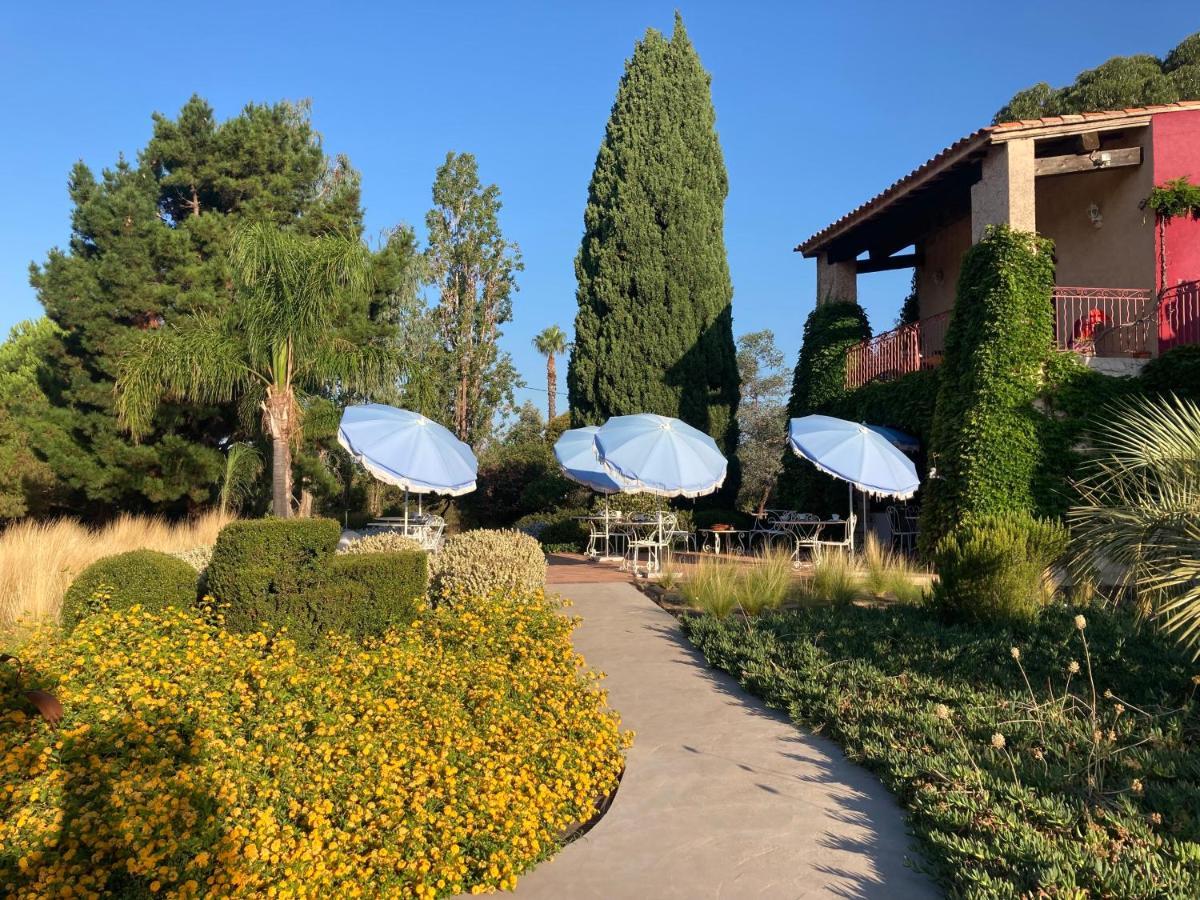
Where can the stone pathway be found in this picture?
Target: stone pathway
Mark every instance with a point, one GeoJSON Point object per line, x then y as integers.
{"type": "Point", "coordinates": [722, 797]}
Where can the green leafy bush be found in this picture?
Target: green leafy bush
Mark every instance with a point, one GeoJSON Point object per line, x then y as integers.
{"type": "Point", "coordinates": [1177, 371]}
{"type": "Point", "coordinates": [255, 561]}
{"type": "Point", "coordinates": [479, 563]}
{"type": "Point", "coordinates": [984, 446]}
{"type": "Point", "coordinates": [381, 590]}
{"type": "Point", "coordinates": [383, 542]}
{"type": "Point", "coordinates": [993, 568]}
{"type": "Point", "coordinates": [144, 578]}
{"type": "Point", "coordinates": [515, 480]}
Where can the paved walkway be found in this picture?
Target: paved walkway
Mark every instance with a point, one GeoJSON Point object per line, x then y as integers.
{"type": "Point", "coordinates": [722, 797]}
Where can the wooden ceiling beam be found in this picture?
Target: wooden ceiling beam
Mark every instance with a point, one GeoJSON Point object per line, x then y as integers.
{"type": "Point", "coordinates": [1095, 161]}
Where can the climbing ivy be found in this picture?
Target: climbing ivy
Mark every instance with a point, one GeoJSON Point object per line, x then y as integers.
{"type": "Point", "coordinates": [984, 446]}
{"type": "Point", "coordinates": [820, 379]}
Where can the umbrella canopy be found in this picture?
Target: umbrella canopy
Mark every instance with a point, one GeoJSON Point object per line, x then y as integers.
{"type": "Point", "coordinates": [577, 457]}
{"type": "Point", "coordinates": [854, 453]}
{"type": "Point", "coordinates": [408, 450]}
{"type": "Point", "coordinates": [659, 455]}
{"type": "Point", "coordinates": [905, 442]}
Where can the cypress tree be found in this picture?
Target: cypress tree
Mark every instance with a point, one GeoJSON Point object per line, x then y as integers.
{"type": "Point", "coordinates": [654, 329]}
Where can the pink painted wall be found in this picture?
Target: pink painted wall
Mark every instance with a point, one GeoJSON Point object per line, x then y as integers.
{"type": "Point", "coordinates": [1176, 147]}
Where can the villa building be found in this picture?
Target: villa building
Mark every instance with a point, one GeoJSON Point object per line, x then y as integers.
{"type": "Point", "coordinates": [1126, 289]}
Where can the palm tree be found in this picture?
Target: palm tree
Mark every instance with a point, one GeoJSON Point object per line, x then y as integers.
{"type": "Point", "coordinates": [278, 340]}
{"type": "Point", "coordinates": [1138, 515]}
{"type": "Point", "coordinates": [550, 343]}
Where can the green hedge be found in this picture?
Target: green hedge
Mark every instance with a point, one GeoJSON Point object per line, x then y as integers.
{"type": "Point", "coordinates": [1176, 371]}
{"type": "Point", "coordinates": [984, 445]}
{"type": "Point", "coordinates": [276, 573]}
{"type": "Point", "coordinates": [139, 578]}
{"type": "Point", "coordinates": [819, 379]}
{"type": "Point", "coordinates": [384, 590]}
{"type": "Point", "coordinates": [257, 560]}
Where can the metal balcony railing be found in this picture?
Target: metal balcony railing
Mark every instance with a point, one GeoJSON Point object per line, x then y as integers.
{"type": "Point", "coordinates": [1110, 322]}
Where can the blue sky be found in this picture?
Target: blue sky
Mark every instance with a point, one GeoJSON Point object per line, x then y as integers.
{"type": "Point", "coordinates": [818, 108]}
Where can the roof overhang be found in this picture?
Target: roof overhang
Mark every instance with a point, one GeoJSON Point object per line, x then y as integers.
{"type": "Point", "coordinates": [939, 189]}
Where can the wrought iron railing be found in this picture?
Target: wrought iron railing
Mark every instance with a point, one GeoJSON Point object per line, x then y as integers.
{"type": "Point", "coordinates": [1105, 321]}
{"type": "Point", "coordinates": [1111, 322]}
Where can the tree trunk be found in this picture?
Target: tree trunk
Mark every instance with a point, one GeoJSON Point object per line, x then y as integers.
{"type": "Point", "coordinates": [279, 419]}
{"type": "Point", "coordinates": [551, 386]}
{"type": "Point", "coordinates": [281, 477]}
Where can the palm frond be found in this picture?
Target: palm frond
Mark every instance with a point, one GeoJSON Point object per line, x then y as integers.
{"type": "Point", "coordinates": [243, 465]}
{"type": "Point", "coordinates": [1137, 521]}
{"type": "Point", "coordinates": [198, 360]}
{"type": "Point", "coordinates": [337, 363]}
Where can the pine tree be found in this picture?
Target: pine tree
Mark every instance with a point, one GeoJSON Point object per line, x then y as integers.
{"type": "Point", "coordinates": [149, 247]}
{"type": "Point", "coordinates": [654, 329]}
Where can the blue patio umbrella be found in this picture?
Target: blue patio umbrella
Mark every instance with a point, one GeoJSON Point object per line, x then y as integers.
{"type": "Point", "coordinates": [856, 454]}
{"type": "Point", "coordinates": [897, 438]}
{"type": "Point", "coordinates": [408, 450]}
{"type": "Point", "coordinates": [653, 454]}
{"type": "Point", "coordinates": [580, 461]}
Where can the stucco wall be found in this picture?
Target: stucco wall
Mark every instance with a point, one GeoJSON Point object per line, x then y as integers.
{"type": "Point", "coordinates": [1176, 153]}
{"type": "Point", "coordinates": [1118, 254]}
{"type": "Point", "coordinates": [937, 276]}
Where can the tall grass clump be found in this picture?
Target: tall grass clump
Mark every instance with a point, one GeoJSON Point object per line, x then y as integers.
{"type": "Point", "coordinates": [39, 560]}
{"type": "Point", "coordinates": [885, 572]}
{"type": "Point", "coordinates": [765, 585]}
{"type": "Point", "coordinates": [834, 578]}
{"type": "Point", "coordinates": [711, 586]}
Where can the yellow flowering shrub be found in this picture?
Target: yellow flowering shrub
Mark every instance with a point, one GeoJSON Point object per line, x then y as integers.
{"type": "Point", "coordinates": [446, 757]}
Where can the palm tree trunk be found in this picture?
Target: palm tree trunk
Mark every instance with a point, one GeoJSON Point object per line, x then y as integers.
{"type": "Point", "coordinates": [551, 386]}
{"type": "Point", "coordinates": [279, 418]}
{"type": "Point", "coordinates": [281, 477]}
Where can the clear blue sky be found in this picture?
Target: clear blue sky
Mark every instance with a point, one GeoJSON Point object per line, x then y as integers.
{"type": "Point", "coordinates": [819, 106]}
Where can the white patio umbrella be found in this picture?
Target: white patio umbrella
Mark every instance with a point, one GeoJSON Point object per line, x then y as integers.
{"type": "Point", "coordinates": [856, 454]}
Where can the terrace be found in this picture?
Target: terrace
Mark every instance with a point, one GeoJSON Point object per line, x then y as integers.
{"type": "Point", "coordinates": [1080, 180]}
{"type": "Point", "coordinates": [1097, 323]}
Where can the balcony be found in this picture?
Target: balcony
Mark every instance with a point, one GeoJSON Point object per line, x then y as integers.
{"type": "Point", "coordinates": [1097, 322]}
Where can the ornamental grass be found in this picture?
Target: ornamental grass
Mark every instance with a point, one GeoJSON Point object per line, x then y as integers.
{"type": "Point", "coordinates": [39, 560]}
{"type": "Point", "coordinates": [446, 757]}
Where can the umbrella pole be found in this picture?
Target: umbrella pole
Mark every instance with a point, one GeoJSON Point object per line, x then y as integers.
{"type": "Point", "coordinates": [607, 538]}
{"type": "Point", "coordinates": [406, 512]}
{"type": "Point", "coordinates": [850, 513]}
{"type": "Point", "coordinates": [864, 543]}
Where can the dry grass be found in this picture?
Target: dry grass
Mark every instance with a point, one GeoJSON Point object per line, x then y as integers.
{"type": "Point", "coordinates": [719, 585]}
{"type": "Point", "coordinates": [39, 560]}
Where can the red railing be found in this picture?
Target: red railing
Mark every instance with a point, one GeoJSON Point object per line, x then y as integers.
{"type": "Point", "coordinates": [1105, 321]}
{"type": "Point", "coordinates": [1113, 322]}
{"type": "Point", "coordinates": [1179, 316]}
{"type": "Point", "coordinates": [897, 352]}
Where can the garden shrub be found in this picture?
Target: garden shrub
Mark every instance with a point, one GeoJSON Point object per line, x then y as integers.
{"type": "Point", "coordinates": [140, 577]}
{"type": "Point", "coordinates": [993, 567]}
{"type": "Point", "coordinates": [515, 480]}
{"type": "Point", "coordinates": [831, 329]}
{"type": "Point", "coordinates": [196, 762]}
{"type": "Point", "coordinates": [197, 557]}
{"type": "Point", "coordinates": [383, 542]}
{"type": "Point", "coordinates": [1176, 371]}
{"type": "Point", "coordinates": [984, 446]}
{"type": "Point", "coordinates": [1018, 780]}
{"type": "Point", "coordinates": [386, 589]}
{"type": "Point", "coordinates": [478, 563]}
{"type": "Point", "coordinates": [565, 533]}
{"type": "Point", "coordinates": [260, 566]}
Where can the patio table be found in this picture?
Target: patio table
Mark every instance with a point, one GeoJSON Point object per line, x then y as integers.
{"type": "Point", "coordinates": [734, 540]}
{"type": "Point", "coordinates": [644, 534]}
